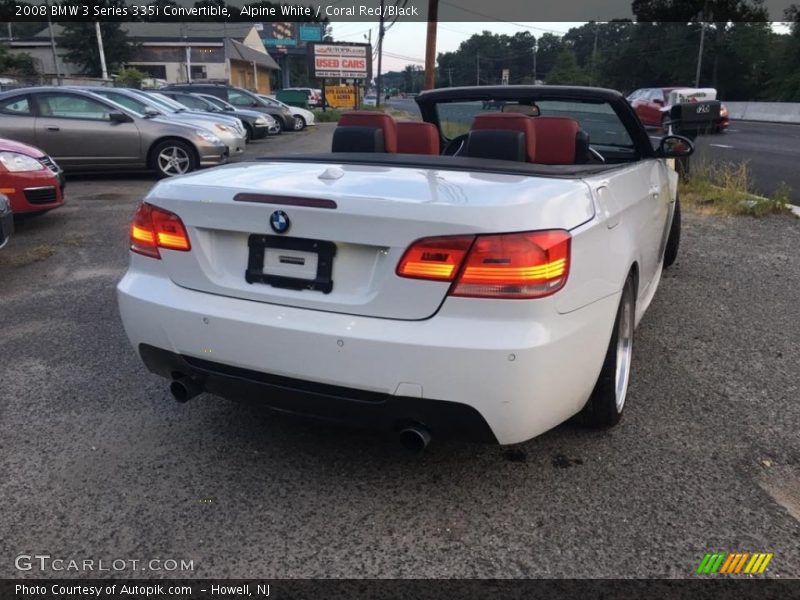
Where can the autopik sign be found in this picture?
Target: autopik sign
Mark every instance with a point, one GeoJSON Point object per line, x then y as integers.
{"type": "Point", "coordinates": [341, 61]}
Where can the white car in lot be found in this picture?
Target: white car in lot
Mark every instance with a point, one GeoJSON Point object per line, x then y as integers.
{"type": "Point", "coordinates": [303, 118]}
{"type": "Point", "coordinates": [485, 286]}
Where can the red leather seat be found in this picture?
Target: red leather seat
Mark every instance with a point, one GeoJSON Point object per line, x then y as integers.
{"type": "Point", "coordinates": [376, 120]}
{"type": "Point", "coordinates": [510, 122]}
{"type": "Point", "coordinates": [417, 138]}
{"type": "Point", "coordinates": [556, 140]}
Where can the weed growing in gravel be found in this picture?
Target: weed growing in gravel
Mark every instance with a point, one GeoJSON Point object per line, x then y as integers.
{"type": "Point", "coordinates": [726, 188]}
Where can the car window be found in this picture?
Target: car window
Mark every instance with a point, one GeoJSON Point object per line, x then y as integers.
{"type": "Point", "coordinates": [656, 95]}
{"type": "Point", "coordinates": [215, 101]}
{"type": "Point", "coordinates": [239, 99]}
{"type": "Point", "coordinates": [71, 106]}
{"type": "Point", "coordinates": [18, 105]}
{"type": "Point", "coordinates": [126, 101]}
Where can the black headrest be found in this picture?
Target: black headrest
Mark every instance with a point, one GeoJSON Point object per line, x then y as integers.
{"type": "Point", "coordinates": [358, 139]}
{"type": "Point", "coordinates": [581, 147]}
{"type": "Point", "coordinates": [497, 144]}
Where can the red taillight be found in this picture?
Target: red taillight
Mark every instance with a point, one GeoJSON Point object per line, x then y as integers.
{"type": "Point", "coordinates": [512, 265]}
{"type": "Point", "coordinates": [435, 258]}
{"type": "Point", "coordinates": [516, 265]}
{"type": "Point", "coordinates": [155, 228]}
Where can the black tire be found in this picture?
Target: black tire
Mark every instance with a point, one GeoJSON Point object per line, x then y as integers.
{"type": "Point", "coordinates": [299, 121]}
{"type": "Point", "coordinates": [674, 239]}
{"type": "Point", "coordinates": [279, 122]}
{"type": "Point", "coordinates": [248, 133]}
{"type": "Point", "coordinates": [603, 409]}
{"type": "Point", "coordinates": [185, 154]}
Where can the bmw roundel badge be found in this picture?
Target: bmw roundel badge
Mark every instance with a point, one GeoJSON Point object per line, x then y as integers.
{"type": "Point", "coordinates": [279, 221]}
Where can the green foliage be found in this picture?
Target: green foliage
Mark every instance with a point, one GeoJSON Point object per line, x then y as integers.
{"type": "Point", "coordinates": [130, 77]}
{"type": "Point", "coordinates": [727, 188]}
{"type": "Point", "coordinates": [330, 115]}
{"type": "Point", "coordinates": [81, 43]}
{"type": "Point", "coordinates": [566, 71]}
{"type": "Point", "coordinates": [16, 65]}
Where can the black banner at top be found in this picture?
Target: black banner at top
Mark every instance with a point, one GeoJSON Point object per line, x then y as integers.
{"type": "Point", "coordinates": [512, 11]}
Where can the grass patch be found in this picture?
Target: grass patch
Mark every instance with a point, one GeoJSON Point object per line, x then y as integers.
{"type": "Point", "coordinates": [331, 115]}
{"type": "Point", "coordinates": [727, 188]}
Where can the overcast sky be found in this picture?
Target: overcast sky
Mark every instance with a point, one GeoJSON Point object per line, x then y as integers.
{"type": "Point", "coordinates": [404, 43]}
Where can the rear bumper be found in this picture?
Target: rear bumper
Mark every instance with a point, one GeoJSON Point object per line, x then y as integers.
{"type": "Point", "coordinates": [333, 403]}
{"type": "Point", "coordinates": [522, 368]}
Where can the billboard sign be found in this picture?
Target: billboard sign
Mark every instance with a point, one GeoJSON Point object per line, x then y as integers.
{"type": "Point", "coordinates": [279, 35]}
{"type": "Point", "coordinates": [309, 33]}
{"type": "Point", "coordinates": [341, 61]}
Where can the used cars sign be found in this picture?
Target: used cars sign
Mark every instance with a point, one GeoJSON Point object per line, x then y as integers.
{"type": "Point", "coordinates": [341, 61]}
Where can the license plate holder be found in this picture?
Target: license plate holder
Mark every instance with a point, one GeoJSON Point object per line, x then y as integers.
{"type": "Point", "coordinates": [258, 245]}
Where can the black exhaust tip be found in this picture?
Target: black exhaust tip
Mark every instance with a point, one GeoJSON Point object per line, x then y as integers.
{"type": "Point", "coordinates": [184, 389]}
{"type": "Point", "coordinates": [415, 438]}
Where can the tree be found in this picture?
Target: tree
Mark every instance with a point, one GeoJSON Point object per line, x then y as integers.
{"type": "Point", "coordinates": [566, 70]}
{"type": "Point", "coordinates": [79, 40]}
{"type": "Point", "coordinates": [16, 65]}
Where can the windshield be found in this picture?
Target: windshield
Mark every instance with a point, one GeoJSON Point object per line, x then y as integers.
{"type": "Point", "coordinates": [194, 102]}
{"type": "Point", "coordinates": [164, 102]}
{"type": "Point", "coordinates": [132, 104]}
{"type": "Point", "coordinates": [598, 119]}
{"type": "Point", "coordinates": [218, 102]}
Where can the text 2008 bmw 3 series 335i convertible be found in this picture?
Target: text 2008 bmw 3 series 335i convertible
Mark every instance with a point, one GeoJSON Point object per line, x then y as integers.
{"type": "Point", "coordinates": [477, 274]}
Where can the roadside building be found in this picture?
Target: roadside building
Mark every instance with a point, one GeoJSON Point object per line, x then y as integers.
{"type": "Point", "coordinates": [175, 53]}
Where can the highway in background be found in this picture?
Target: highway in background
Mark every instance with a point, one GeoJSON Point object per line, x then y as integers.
{"type": "Point", "coordinates": [771, 149]}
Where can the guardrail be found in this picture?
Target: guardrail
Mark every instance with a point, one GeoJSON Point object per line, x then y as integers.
{"type": "Point", "coordinates": [770, 112]}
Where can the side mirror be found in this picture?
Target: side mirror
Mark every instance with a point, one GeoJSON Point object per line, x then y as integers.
{"type": "Point", "coordinates": [151, 112]}
{"type": "Point", "coordinates": [658, 101]}
{"type": "Point", "coordinates": [674, 146]}
{"type": "Point", "coordinates": [118, 117]}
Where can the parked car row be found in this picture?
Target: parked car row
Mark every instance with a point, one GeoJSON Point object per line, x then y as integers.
{"type": "Point", "coordinates": [172, 131]}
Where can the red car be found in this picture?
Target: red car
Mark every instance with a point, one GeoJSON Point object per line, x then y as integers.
{"type": "Point", "coordinates": [33, 182]}
{"type": "Point", "coordinates": [651, 104]}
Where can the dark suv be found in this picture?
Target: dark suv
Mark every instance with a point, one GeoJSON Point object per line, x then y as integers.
{"type": "Point", "coordinates": [240, 98]}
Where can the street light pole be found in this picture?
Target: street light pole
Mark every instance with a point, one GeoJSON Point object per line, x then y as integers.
{"type": "Point", "coordinates": [534, 63]}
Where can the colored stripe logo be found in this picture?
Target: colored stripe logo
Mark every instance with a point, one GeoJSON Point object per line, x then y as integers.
{"type": "Point", "coordinates": [735, 563]}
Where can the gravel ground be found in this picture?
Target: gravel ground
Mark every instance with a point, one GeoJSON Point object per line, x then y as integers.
{"type": "Point", "coordinates": [99, 463]}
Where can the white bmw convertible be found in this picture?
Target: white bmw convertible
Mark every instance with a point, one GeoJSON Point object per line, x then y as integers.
{"type": "Point", "coordinates": [477, 274]}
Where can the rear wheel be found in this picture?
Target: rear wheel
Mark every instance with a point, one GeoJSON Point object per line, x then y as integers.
{"type": "Point", "coordinates": [605, 405]}
{"type": "Point", "coordinates": [674, 239]}
{"type": "Point", "coordinates": [173, 157]}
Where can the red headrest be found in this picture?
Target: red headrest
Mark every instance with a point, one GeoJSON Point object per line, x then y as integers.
{"type": "Point", "coordinates": [378, 120]}
{"type": "Point", "coordinates": [512, 122]}
{"type": "Point", "coordinates": [556, 140]}
{"type": "Point", "coordinates": [414, 137]}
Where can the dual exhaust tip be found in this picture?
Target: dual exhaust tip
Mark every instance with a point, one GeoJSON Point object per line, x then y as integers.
{"type": "Point", "coordinates": [414, 438]}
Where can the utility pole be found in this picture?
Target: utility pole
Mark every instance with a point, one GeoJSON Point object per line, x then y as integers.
{"type": "Point", "coordinates": [594, 54]}
{"type": "Point", "coordinates": [534, 63]}
{"type": "Point", "coordinates": [379, 79]}
{"type": "Point", "coordinates": [53, 45]}
{"type": "Point", "coordinates": [477, 68]}
{"type": "Point", "coordinates": [450, 75]}
{"type": "Point", "coordinates": [702, 41]}
{"type": "Point", "coordinates": [100, 49]}
{"type": "Point", "coordinates": [430, 45]}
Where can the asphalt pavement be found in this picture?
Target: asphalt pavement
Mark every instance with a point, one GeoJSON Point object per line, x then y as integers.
{"type": "Point", "coordinates": [99, 462]}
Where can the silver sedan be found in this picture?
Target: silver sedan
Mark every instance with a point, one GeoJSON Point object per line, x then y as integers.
{"type": "Point", "coordinates": [81, 130]}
